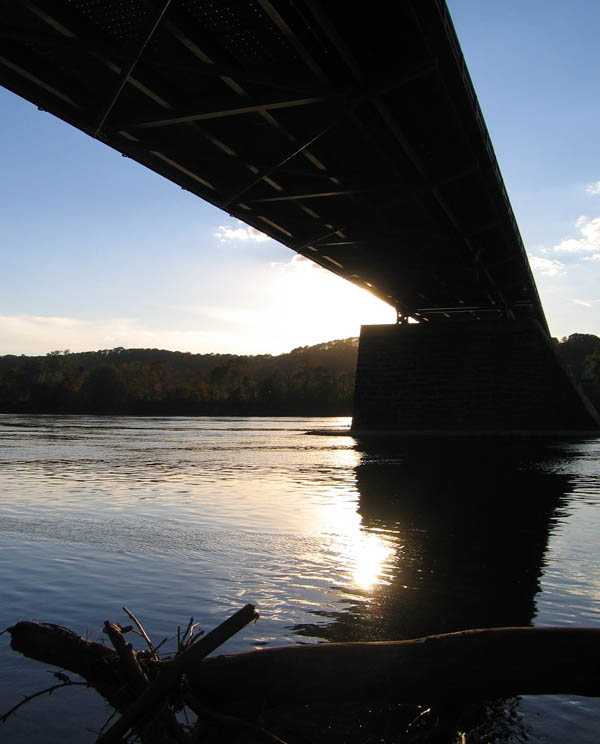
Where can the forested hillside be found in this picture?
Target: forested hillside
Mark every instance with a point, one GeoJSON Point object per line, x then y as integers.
{"type": "Point", "coordinates": [310, 380]}
{"type": "Point", "coordinates": [317, 380]}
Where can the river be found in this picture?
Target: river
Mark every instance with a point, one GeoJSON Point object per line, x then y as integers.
{"type": "Point", "coordinates": [331, 538]}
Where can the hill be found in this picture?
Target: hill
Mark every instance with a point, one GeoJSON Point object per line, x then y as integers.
{"type": "Point", "coordinates": [309, 380]}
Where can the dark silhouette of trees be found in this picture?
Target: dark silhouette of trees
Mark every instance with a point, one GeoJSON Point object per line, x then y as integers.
{"type": "Point", "coordinates": [576, 349]}
{"type": "Point", "coordinates": [581, 352]}
{"type": "Point", "coordinates": [592, 368]}
{"type": "Point", "coordinates": [103, 390]}
{"type": "Point", "coordinates": [313, 380]}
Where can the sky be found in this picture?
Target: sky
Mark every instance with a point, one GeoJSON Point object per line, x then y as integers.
{"type": "Point", "coordinates": [98, 252]}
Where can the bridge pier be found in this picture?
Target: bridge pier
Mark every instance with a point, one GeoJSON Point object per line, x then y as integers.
{"type": "Point", "coordinates": [492, 377]}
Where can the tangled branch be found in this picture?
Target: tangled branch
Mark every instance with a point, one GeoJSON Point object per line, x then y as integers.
{"type": "Point", "coordinates": [48, 691]}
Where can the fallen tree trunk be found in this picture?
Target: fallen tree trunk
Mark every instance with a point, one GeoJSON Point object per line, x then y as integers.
{"type": "Point", "coordinates": [499, 662]}
{"type": "Point", "coordinates": [60, 647]}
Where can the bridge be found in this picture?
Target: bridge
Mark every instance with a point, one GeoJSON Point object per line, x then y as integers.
{"type": "Point", "coordinates": [352, 136]}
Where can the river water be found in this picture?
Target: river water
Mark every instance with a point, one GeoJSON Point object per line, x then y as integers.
{"type": "Point", "coordinates": [331, 538]}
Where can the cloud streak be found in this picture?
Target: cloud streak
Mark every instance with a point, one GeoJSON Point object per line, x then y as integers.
{"type": "Point", "coordinates": [585, 303]}
{"type": "Point", "coordinates": [37, 335]}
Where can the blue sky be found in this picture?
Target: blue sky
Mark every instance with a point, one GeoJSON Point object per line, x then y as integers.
{"type": "Point", "coordinates": [98, 252]}
{"type": "Point", "coordinates": [536, 69]}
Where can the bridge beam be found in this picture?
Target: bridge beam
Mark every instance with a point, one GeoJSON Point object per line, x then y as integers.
{"type": "Point", "coordinates": [486, 376]}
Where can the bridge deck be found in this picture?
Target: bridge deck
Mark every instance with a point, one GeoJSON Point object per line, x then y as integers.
{"type": "Point", "coordinates": [350, 136]}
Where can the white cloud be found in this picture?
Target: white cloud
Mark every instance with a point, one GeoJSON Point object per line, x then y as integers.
{"type": "Point", "coordinates": [240, 317]}
{"type": "Point", "coordinates": [227, 234]}
{"type": "Point", "coordinates": [37, 335]}
{"type": "Point", "coordinates": [589, 242]}
{"type": "Point", "coordinates": [593, 188]}
{"type": "Point", "coordinates": [585, 303]}
{"type": "Point", "coordinates": [298, 263]}
{"type": "Point", "coordinates": [547, 266]}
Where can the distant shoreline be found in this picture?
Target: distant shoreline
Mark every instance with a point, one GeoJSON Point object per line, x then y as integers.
{"type": "Point", "coordinates": [308, 381]}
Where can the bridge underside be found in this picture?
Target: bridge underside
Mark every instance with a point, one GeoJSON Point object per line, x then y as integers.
{"type": "Point", "coordinates": [350, 135]}
{"type": "Point", "coordinates": [488, 377]}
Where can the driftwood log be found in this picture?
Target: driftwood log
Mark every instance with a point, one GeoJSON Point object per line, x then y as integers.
{"type": "Point", "coordinates": [499, 662]}
{"type": "Point", "coordinates": [471, 664]}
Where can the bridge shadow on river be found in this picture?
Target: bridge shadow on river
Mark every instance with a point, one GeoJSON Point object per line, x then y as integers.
{"type": "Point", "coordinates": [471, 522]}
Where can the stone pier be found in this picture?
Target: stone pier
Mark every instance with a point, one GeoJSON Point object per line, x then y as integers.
{"type": "Point", "coordinates": [492, 377]}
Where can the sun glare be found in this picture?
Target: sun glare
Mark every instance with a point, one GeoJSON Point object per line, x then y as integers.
{"type": "Point", "coordinates": [308, 302]}
{"type": "Point", "coordinates": [370, 557]}
{"type": "Point", "coordinates": [363, 554]}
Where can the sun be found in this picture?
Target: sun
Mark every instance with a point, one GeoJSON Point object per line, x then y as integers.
{"type": "Point", "coordinates": [306, 301]}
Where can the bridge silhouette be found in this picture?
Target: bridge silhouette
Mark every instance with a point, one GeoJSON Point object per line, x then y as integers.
{"type": "Point", "coordinates": [352, 136]}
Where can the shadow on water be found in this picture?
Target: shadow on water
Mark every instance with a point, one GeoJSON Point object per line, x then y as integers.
{"type": "Point", "coordinates": [470, 522]}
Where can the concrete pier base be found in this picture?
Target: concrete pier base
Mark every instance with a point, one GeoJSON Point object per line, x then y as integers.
{"type": "Point", "coordinates": [493, 377]}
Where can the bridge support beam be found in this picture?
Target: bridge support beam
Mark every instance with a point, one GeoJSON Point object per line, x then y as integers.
{"type": "Point", "coordinates": [493, 377]}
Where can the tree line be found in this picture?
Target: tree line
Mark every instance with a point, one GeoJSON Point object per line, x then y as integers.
{"type": "Point", "coordinates": [312, 380]}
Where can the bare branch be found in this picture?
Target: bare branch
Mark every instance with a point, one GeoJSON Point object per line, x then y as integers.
{"type": "Point", "coordinates": [143, 633]}
{"type": "Point", "coordinates": [48, 691]}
